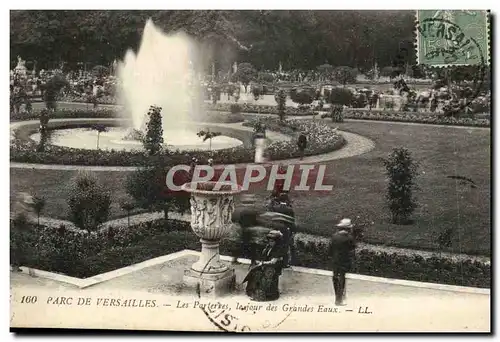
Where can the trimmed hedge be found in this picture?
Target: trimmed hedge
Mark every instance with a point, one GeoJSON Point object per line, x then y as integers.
{"type": "Point", "coordinates": [82, 255]}
{"type": "Point", "coordinates": [24, 150]}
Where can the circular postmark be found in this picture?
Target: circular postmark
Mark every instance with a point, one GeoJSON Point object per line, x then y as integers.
{"type": "Point", "coordinates": [449, 44]}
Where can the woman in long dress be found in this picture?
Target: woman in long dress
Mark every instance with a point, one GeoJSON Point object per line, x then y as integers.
{"type": "Point", "coordinates": [263, 279]}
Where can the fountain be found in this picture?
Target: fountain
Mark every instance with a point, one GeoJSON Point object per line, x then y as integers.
{"type": "Point", "coordinates": [163, 73]}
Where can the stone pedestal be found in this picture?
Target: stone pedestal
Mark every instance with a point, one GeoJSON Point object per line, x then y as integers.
{"type": "Point", "coordinates": [211, 285]}
{"type": "Point", "coordinates": [211, 210]}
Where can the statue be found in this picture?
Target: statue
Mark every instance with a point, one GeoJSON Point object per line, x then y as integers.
{"type": "Point", "coordinates": [20, 67]}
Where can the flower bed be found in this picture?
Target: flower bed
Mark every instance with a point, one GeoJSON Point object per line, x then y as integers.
{"type": "Point", "coordinates": [24, 150]}
{"type": "Point", "coordinates": [321, 138]}
{"type": "Point", "coordinates": [427, 118]}
{"type": "Point", "coordinates": [81, 254]}
{"type": "Point", "coordinates": [350, 113]}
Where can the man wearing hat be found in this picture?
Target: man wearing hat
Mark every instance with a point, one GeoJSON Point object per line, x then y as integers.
{"type": "Point", "coordinates": [342, 248]}
{"type": "Point", "coordinates": [245, 218]}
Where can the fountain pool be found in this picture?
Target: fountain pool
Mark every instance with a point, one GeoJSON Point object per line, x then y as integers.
{"type": "Point", "coordinates": [86, 138]}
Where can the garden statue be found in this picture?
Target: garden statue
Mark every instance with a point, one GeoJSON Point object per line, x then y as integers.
{"type": "Point", "coordinates": [211, 210]}
{"type": "Point", "coordinates": [20, 67]}
{"type": "Point", "coordinates": [263, 279]}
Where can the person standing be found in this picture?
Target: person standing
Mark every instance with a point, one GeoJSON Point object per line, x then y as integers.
{"type": "Point", "coordinates": [342, 249]}
{"type": "Point", "coordinates": [245, 217]}
{"type": "Point", "coordinates": [302, 144]}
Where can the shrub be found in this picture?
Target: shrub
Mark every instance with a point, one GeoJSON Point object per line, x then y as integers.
{"type": "Point", "coordinates": [38, 206]}
{"type": "Point", "coordinates": [303, 96]}
{"type": "Point", "coordinates": [341, 96]}
{"type": "Point", "coordinates": [401, 172]}
{"type": "Point", "coordinates": [280, 98]}
{"type": "Point", "coordinates": [153, 141]}
{"type": "Point", "coordinates": [235, 108]}
{"type": "Point", "coordinates": [89, 202]}
{"type": "Point", "coordinates": [147, 186]}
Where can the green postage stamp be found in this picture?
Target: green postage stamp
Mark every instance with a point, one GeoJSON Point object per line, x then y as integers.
{"type": "Point", "coordinates": [452, 37]}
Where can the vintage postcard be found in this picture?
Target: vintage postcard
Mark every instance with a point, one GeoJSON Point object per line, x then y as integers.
{"type": "Point", "coordinates": [251, 171]}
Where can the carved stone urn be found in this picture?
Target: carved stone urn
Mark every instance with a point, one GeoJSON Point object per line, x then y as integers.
{"type": "Point", "coordinates": [212, 206]}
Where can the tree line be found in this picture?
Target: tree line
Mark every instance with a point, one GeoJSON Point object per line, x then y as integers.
{"type": "Point", "coordinates": [296, 39]}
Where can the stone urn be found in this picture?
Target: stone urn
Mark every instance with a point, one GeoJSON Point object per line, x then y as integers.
{"type": "Point", "coordinates": [212, 207]}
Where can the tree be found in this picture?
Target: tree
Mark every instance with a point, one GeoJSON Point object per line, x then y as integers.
{"type": "Point", "coordinates": [245, 74]}
{"type": "Point", "coordinates": [208, 135]}
{"type": "Point", "coordinates": [100, 129]}
{"type": "Point", "coordinates": [401, 171]}
{"type": "Point", "coordinates": [127, 206]}
{"type": "Point", "coordinates": [89, 202]}
{"type": "Point", "coordinates": [153, 141]}
{"type": "Point", "coordinates": [147, 186]}
{"type": "Point", "coordinates": [38, 206]}
{"type": "Point", "coordinates": [52, 89]}
{"type": "Point", "coordinates": [345, 74]}
{"type": "Point", "coordinates": [280, 98]}
{"type": "Point", "coordinates": [263, 38]}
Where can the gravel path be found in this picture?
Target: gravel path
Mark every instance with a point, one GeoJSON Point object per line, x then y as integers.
{"type": "Point", "coordinates": [140, 218]}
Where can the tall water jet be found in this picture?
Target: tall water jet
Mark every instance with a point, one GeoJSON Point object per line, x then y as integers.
{"type": "Point", "coordinates": [164, 73]}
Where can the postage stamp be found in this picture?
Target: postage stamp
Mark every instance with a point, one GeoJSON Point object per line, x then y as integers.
{"type": "Point", "coordinates": [452, 37]}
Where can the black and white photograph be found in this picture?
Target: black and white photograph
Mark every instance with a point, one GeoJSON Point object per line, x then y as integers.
{"type": "Point", "coordinates": [251, 170]}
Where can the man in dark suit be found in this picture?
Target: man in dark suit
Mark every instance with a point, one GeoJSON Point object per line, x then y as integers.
{"type": "Point", "coordinates": [342, 249]}
{"type": "Point", "coordinates": [302, 144]}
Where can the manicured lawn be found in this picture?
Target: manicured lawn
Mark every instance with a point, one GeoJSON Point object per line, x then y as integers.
{"type": "Point", "coordinates": [359, 188]}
